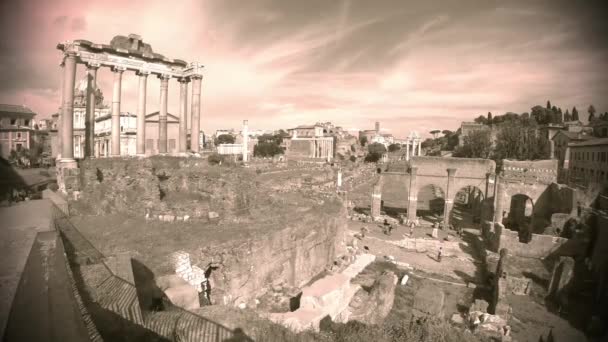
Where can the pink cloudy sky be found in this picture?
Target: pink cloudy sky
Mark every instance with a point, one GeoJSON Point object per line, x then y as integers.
{"type": "Point", "coordinates": [412, 65]}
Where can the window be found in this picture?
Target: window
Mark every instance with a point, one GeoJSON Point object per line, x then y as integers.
{"type": "Point", "coordinates": [26, 122]}
{"type": "Point", "coordinates": [18, 135]}
{"type": "Point", "coordinates": [18, 147]}
{"type": "Point", "coordinates": [13, 122]}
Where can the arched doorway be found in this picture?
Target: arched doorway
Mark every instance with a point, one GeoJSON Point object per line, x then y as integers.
{"type": "Point", "coordinates": [430, 203]}
{"type": "Point", "coordinates": [520, 216]}
{"type": "Point", "coordinates": [466, 211]}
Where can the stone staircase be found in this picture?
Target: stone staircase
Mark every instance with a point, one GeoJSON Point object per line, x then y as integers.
{"type": "Point", "coordinates": [106, 282]}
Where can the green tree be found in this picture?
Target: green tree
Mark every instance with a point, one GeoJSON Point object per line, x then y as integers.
{"type": "Point", "coordinates": [567, 116]}
{"type": "Point", "coordinates": [394, 147]}
{"type": "Point", "coordinates": [489, 118]}
{"type": "Point", "coordinates": [548, 104]}
{"type": "Point", "coordinates": [591, 111]}
{"type": "Point", "coordinates": [518, 142]}
{"type": "Point", "coordinates": [374, 152]}
{"type": "Point", "coordinates": [477, 144]}
{"type": "Point", "coordinates": [353, 159]}
{"type": "Point", "coordinates": [224, 139]}
{"type": "Point", "coordinates": [481, 119]}
{"type": "Point", "coordinates": [363, 140]}
{"type": "Point", "coordinates": [574, 114]}
{"type": "Point", "coordinates": [214, 158]}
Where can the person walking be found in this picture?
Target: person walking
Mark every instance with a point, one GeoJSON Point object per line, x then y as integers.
{"type": "Point", "coordinates": [439, 254]}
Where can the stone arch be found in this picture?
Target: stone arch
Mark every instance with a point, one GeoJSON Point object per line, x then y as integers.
{"type": "Point", "coordinates": [395, 192]}
{"type": "Point", "coordinates": [467, 207]}
{"type": "Point", "coordinates": [430, 201]}
{"type": "Point", "coordinates": [520, 216]}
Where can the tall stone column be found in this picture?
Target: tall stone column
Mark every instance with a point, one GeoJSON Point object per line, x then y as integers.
{"type": "Point", "coordinates": [413, 148]}
{"type": "Point", "coordinates": [59, 121]}
{"type": "Point", "coordinates": [116, 110]}
{"type": "Point", "coordinates": [183, 112]}
{"type": "Point", "coordinates": [412, 197]}
{"type": "Point", "coordinates": [195, 122]}
{"type": "Point", "coordinates": [89, 123]}
{"type": "Point", "coordinates": [67, 109]}
{"type": "Point", "coordinates": [141, 113]}
{"type": "Point", "coordinates": [407, 150]}
{"type": "Point", "coordinates": [245, 141]}
{"type": "Point", "coordinates": [449, 202]}
{"type": "Point", "coordinates": [162, 116]}
{"type": "Point", "coordinates": [419, 144]}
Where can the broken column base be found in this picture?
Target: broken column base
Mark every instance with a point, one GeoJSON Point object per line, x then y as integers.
{"type": "Point", "coordinates": [68, 176]}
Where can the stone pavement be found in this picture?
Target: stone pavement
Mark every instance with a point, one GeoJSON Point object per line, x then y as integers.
{"type": "Point", "coordinates": [457, 262]}
{"type": "Point", "coordinates": [19, 225]}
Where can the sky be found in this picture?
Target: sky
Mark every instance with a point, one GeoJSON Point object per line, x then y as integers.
{"type": "Point", "coordinates": [411, 65]}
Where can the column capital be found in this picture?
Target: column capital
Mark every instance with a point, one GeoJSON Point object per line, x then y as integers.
{"type": "Point", "coordinates": [93, 66]}
{"type": "Point", "coordinates": [196, 77]}
{"type": "Point", "coordinates": [118, 69]}
{"type": "Point", "coordinates": [451, 172]}
{"type": "Point", "coordinates": [183, 79]}
{"type": "Point", "coordinates": [164, 76]}
{"type": "Point", "coordinates": [142, 73]}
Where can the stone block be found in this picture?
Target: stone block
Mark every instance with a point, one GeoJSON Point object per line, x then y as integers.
{"type": "Point", "coordinates": [429, 301]}
{"type": "Point", "coordinates": [479, 305]}
{"type": "Point", "coordinates": [184, 296]}
{"type": "Point", "coordinates": [213, 215]}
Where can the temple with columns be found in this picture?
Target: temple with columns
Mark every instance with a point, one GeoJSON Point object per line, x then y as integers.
{"type": "Point", "coordinates": [124, 54]}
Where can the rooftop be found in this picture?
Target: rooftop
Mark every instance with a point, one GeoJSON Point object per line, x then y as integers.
{"type": "Point", "coordinates": [591, 142]}
{"type": "Point", "coordinates": [576, 135]}
{"type": "Point", "coordinates": [20, 110]}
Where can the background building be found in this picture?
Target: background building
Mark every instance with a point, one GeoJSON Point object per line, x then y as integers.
{"type": "Point", "coordinates": [587, 162]}
{"type": "Point", "coordinates": [16, 128]}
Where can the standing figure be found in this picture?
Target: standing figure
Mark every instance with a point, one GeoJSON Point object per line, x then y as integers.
{"type": "Point", "coordinates": [439, 254]}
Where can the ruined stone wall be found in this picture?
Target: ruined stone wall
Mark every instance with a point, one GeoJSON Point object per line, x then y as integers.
{"type": "Point", "coordinates": [467, 167]}
{"type": "Point", "coordinates": [497, 237]}
{"type": "Point", "coordinates": [169, 185]}
{"type": "Point", "coordinates": [290, 257]}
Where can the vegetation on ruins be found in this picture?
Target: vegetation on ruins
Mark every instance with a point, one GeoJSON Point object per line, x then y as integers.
{"type": "Point", "coordinates": [363, 140]}
{"type": "Point", "coordinates": [214, 159]}
{"type": "Point", "coordinates": [224, 139]}
{"type": "Point", "coordinates": [394, 147]}
{"type": "Point", "coordinates": [477, 144]}
{"type": "Point", "coordinates": [268, 145]}
{"type": "Point", "coordinates": [447, 142]}
{"type": "Point", "coordinates": [374, 152]}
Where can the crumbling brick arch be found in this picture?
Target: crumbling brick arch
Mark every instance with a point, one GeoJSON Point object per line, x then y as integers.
{"type": "Point", "coordinates": [467, 205]}
{"type": "Point", "coordinates": [430, 198]}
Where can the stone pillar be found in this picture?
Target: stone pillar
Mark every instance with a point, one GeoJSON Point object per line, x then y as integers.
{"type": "Point", "coordinates": [116, 110]}
{"type": "Point", "coordinates": [89, 123]}
{"type": "Point", "coordinates": [339, 183]}
{"type": "Point", "coordinates": [183, 113]}
{"type": "Point", "coordinates": [195, 123]}
{"type": "Point", "coordinates": [141, 113]}
{"type": "Point", "coordinates": [498, 205]}
{"type": "Point", "coordinates": [162, 116]}
{"type": "Point", "coordinates": [413, 194]}
{"type": "Point", "coordinates": [413, 148]}
{"type": "Point", "coordinates": [419, 144]}
{"type": "Point", "coordinates": [488, 178]}
{"type": "Point", "coordinates": [449, 202]}
{"type": "Point", "coordinates": [245, 141]}
{"type": "Point", "coordinates": [67, 109]}
{"type": "Point", "coordinates": [407, 150]}
{"type": "Point", "coordinates": [376, 200]}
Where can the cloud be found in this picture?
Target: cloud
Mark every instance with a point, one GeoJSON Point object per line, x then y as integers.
{"type": "Point", "coordinates": [411, 65]}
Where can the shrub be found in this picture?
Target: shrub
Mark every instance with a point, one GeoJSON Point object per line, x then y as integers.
{"type": "Point", "coordinates": [214, 159]}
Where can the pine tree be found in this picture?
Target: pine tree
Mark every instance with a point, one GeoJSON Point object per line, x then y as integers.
{"type": "Point", "coordinates": [548, 104]}
{"type": "Point", "coordinates": [489, 118]}
{"type": "Point", "coordinates": [574, 114]}
{"type": "Point", "coordinates": [567, 116]}
{"type": "Point", "coordinates": [591, 112]}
